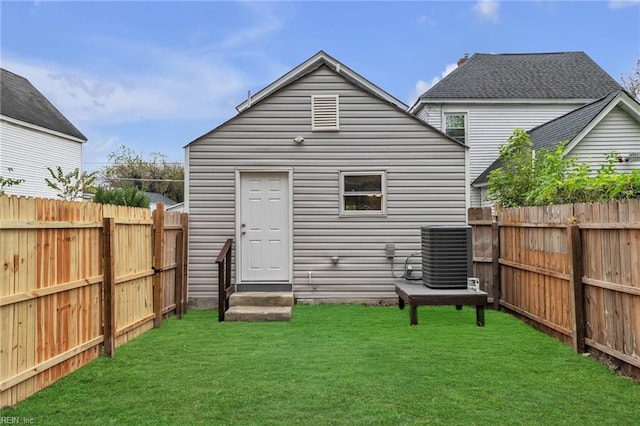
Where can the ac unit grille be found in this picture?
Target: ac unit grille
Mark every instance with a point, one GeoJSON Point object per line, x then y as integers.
{"type": "Point", "coordinates": [446, 256]}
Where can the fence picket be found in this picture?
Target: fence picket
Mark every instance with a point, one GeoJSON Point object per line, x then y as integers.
{"type": "Point", "coordinates": [588, 299]}
{"type": "Point", "coordinates": [51, 300]}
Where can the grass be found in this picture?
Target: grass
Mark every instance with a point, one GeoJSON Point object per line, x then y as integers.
{"type": "Point", "coordinates": [340, 365]}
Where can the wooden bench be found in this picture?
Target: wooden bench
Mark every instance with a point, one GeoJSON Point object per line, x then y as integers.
{"type": "Point", "coordinates": [416, 294]}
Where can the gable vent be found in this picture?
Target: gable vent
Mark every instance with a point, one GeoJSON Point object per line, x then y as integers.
{"type": "Point", "coordinates": [324, 113]}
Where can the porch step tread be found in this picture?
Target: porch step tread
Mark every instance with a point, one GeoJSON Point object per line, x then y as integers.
{"type": "Point", "coordinates": [258, 313]}
{"type": "Point", "coordinates": [264, 299]}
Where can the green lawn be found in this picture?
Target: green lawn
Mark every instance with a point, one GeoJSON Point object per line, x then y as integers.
{"type": "Point", "coordinates": [341, 365]}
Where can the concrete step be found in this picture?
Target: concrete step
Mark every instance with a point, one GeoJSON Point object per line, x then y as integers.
{"type": "Point", "coordinates": [254, 298]}
{"type": "Point", "coordinates": [258, 313]}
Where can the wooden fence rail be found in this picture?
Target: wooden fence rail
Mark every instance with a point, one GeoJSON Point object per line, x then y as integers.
{"type": "Point", "coordinates": [573, 270]}
{"type": "Point", "coordinates": [76, 278]}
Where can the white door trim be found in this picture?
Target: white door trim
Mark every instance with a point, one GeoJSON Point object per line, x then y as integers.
{"type": "Point", "coordinates": [238, 196]}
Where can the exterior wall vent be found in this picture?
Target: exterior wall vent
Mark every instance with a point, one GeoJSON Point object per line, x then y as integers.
{"type": "Point", "coordinates": [446, 256]}
{"type": "Point", "coordinates": [325, 113]}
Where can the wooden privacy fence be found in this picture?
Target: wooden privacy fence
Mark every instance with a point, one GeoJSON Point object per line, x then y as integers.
{"type": "Point", "coordinates": [572, 269]}
{"type": "Point", "coordinates": [79, 277]}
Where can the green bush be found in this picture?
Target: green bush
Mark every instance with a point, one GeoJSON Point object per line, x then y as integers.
{"type": "Point", "coordinates": [121, 197]}
{"type": "Point", "coordinates": [547, 176]}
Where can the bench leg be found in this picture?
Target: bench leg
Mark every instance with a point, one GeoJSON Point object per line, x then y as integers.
{"type": "Point", "coordinates": [400, 302]}
{"type": "Point", "coordinates": [458, 307]}
{"type": "Point", "coordinates": [480, 315]}
{"type": "Point", "coordinates": [413, 315]}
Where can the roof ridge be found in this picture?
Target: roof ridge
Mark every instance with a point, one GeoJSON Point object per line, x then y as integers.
{"type": "Point", "coordinates": [530, 53]}
{"type": "Point", "coordinates": [529, 75]}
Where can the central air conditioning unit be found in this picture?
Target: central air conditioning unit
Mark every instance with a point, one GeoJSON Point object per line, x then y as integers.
{"type": "Point", "coordinates": [447, 259]}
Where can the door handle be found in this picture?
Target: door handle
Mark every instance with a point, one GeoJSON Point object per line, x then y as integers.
{"type": "Point", "coordinates": [242, 231]}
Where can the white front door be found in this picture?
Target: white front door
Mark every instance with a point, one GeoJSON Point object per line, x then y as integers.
{"type": "Point", "coordinates": [264, 226]}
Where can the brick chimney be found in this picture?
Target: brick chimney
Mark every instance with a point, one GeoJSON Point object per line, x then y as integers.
{"type": "Point", "coordinates": [462, 60]}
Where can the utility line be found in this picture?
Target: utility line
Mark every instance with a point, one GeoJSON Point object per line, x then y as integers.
{"type": "Point", "coordinates": [145, 180]}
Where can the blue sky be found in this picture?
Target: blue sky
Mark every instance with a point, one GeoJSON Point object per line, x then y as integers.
{"type": "Point", "coordinates": [156, 75]}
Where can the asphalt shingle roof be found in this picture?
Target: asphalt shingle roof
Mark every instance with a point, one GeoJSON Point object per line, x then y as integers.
{"type": "Point", "coordinates": [563, 128]}
{"type": "Point", "coordinates": [20, 100]}
{"type": "Point", "coordinates": [156, 198]}
{"type": "Point", "coordinates": [561, 75]}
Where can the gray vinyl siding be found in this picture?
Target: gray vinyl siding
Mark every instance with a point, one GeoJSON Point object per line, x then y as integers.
{"type": "Point", "coordinates": [618, 131]}
{"type": "Point", "coordinates": [490, 125]}
{"type": "Point", "coordinates": [425, 184]}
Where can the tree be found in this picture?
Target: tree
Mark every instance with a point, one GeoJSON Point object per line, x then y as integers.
{"type": "Point", "coordinates": [547, 176]}
{"type": "Point", "coordinates": [121, 197]}
{"type": "Point", "coordinates": [631, 82]}
{"type": "Point", "coordinates": [6, 182]}
{"type": "Point", "coordinates": [72, 185]}
{"type": "Point", "coordinates": [128, 169]}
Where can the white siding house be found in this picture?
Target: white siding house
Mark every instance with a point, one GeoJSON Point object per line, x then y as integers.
{"type": "Point", "coordinates": [497, 93]}
{"type": "Point", "coordinates": [610, 124]}
{"type": "Point", "coordinates": [313, 179]}
{"type": "Point", "coordinates": [617, 130]}
{"type": "Point", "coordinates": [488, 126]}
{"type": "Point", "coordinates": [34, 135]}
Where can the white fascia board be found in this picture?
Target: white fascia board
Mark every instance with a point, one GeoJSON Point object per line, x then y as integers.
{"type": "Point", "coordinates": [416, 106]}
{"type": "Point", "coordinates": [480, 185]}
{"type": "Point", "coordinates": [40, 129]}
{"type": "Point", "coordinates": [621, 100]}
{"type": "Point", "coordinates": [187, 180]}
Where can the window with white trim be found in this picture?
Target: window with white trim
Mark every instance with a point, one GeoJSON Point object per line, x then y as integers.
{"type": "Point", "coordinates": [325, 113]}
{"type": "Point", "coordinates": [363, 193]}
{"type": "Point", "coordinates": [456, 126]}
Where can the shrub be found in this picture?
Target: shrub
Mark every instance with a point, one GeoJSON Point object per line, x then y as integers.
{"type": "Point", "coordinates": [547, 176]}
{"type": "Point", "coordinates": [121, 197]}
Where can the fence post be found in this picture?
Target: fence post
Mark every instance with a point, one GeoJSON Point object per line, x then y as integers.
{"type": "Point", "coordinates": [184, 218]}
{"type": "Point", "coordinates": [495, 263]}
{"type": "Point", "coordinates": [179, 277]}
{"type": "Point", "coordinates": [158, 263]}
{"type": "Point", "coordinates": [574, 251]}
{"type": "Point", "coordinates": [109, 282]}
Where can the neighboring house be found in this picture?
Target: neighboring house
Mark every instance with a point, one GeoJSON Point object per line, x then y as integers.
{"type": "Point", "coordinates": [34, 135]}
{"type": "Point", "coordinates": [314, 178]}
{"type": "Point", "coordinates": [156, 198]}
{"type": "Point", "coordinates": [177, 207]}
{"type": "Point", "coordinates": [591, 132]}
{"type": "Point", "coordinates": [489, 95]}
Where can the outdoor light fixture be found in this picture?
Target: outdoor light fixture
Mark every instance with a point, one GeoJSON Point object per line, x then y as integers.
{"type": "Point", "coordinates": [298, 139]}
{"type": "Point", "coordinates": [630, 158]}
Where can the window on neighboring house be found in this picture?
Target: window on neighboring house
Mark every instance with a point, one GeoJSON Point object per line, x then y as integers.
{"type": "Point", "coordinates": [363, 192]}
{"type": "Point", "coordinates": [455, 126]}
{"type": "Point", "coordinates": [325, 113]}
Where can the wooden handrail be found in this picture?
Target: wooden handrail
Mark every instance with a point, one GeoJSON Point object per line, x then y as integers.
{"type": "Point", "coordinates": [225, 248]}
{"type": "Point", "coordinates": [225, 289]}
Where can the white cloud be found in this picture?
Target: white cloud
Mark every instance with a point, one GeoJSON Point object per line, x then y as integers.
{"type": "Point", "coordinates": [267, 20]}
{"type": "Point", "coordinates": [619, 4]}
{"type": "Point", "coordinates": [129, 81]}
{"type": "Point", "coordinates": [487, 10]}
{"type": "Point", "coordinates": [422, 86]}
{"type": "Point", "coordinates": [177, 85]}
{"type": "Point", "coordinates": [426, 20]}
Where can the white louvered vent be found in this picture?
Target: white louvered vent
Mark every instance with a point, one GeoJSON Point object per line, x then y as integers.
{"type": "Point", "coordinates": [325, 112]}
